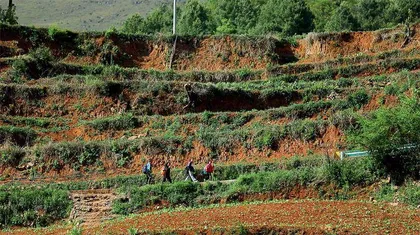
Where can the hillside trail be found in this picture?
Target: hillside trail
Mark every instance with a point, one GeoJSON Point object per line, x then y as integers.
{"type": "Point", "coordinates": [93, 206]}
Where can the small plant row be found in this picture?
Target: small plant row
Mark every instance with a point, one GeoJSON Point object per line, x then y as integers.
{"type": "Point", "coordinates": [342, 61]}
{"type": "Point", "coordinates": [167, 98]}
{"type": "Point", "coordinates": [375, 68]}
{"type": "Point", "coordinates": [90, 155]}
{"type": "Point", "coordinates": [33, 207]}
{"type": "Point", "coordinates": [156, 125]}
{"type": "Point", "coordinates": [20, 136]}
{"type": "Point", "coordinates": [128, 121]}
{"type": "Point", "coordinates": [33, 122]}
{"type": "Point", "coordinates": [41, 63]}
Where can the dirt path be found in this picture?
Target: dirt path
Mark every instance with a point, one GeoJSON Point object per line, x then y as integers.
{"type": "Point", "coordinates": [312, 217]}
{"type": "Point", "coordinates": [92, 207]}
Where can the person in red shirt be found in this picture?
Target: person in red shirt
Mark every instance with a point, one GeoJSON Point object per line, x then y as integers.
{"type": "Point", "coordinates": [209, 169]}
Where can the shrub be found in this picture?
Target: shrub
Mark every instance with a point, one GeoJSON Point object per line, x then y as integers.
{"type": "Point", "coordinates": [8, 15]}
{"type": "Point", "coordinates": [33, 207]}
{"type": "Point", "coordinates": [75, 231]}
{"type": "Point", "coordinates": [350, 172]}
{"type": "Point", "coordinates": [120, 122]}
{"type": "Point", "coordinates": [17, 135]}
{"type": "Point", "coordinates": [392, 138]}
{"type": "Point", "coordinates": [358, 99]}
{"type": "Point", "coordinates": [11, 156]}
{"type": "Point", "coordinates": [39, 64]}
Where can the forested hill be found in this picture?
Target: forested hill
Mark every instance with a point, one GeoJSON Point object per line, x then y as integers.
{"type": "Point", "coordinates": [198, 17]}
{"type": "Point", "coordinates": [83, 15]}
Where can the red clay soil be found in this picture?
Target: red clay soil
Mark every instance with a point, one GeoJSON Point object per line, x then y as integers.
{"type": "Point", "coordinates": [227, 53]}
{"type": "Point", "coordinates": [312, 217]}
{"type": "Point", "coordinates": [318, 48]}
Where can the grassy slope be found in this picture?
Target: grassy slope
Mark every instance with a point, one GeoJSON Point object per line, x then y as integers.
{"type": "Point", "coordinates": [80, 14]}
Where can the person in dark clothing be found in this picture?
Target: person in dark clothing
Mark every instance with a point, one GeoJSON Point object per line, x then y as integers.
{"type": "Point", "coordinates": [192, 96]}
{"type": "Point", "coordinates": [189, 172]}
{"type": "Point", "coordinates": [166, 173]}
{"type": "Point", "coordinates": [147, 170]}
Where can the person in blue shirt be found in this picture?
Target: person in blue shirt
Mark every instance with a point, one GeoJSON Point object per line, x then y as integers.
{"type": "Point", "coordinates": [147, 170]}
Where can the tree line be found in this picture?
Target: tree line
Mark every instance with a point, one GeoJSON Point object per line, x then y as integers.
{"type": "Point", "coordinates": [285, 17]}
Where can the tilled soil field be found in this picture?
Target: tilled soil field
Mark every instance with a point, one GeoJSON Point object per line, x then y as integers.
{"type": "Point", "coordinates": [302, 217]}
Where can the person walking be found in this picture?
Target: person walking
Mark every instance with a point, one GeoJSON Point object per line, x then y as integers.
{"type": "Point", "coordinates": [189, 172]}
{"type": "Point", "coordinates": [166, 173]}
{"type": "Point", "coordinates": [208, 170]}
{"type": "Point", "coordinates": [147, 170]}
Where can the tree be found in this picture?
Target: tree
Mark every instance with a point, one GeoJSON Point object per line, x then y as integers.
{"type": "Point", "coordinates": [134, 25]}
{"type": "Point", "coordinates": [238, 16]}
{"type": "Point", "coordinates": [195, 19]}
{"type": "Point", "coordinates": [288, 17]}
{"type": "Point", "coordinates": [9, 16]}
{"type": "Point", "coordinates": [373, 14]}
{"type": "Point", "coordinates": [407, 9]}
{"type": "Point", "coordinates": [342, 20]}
{"type": "Point", "coordinates": [158, 21]}
{"type": "Point", "coordinates": [393, 139]}
{"type": "Point", "coordinates": [322, 10]}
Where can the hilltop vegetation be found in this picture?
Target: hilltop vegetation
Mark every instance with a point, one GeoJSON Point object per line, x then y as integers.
{"type": "Point", "coordinates": [220, 17]}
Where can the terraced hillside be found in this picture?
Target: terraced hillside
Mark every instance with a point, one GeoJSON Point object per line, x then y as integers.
{"type": "Point", "coordinates": [85, 111]}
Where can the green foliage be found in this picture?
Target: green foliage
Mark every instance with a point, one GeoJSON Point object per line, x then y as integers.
{"type": "Point", "coordinates": [157, 21]}
{"type": "Point", "coordinates": [39, 64]}
{"type": "Point", "coordinates": [76, 231]}
{"type": "Point", "coordinates": [342, 19]}
{"type": "Point", "coordinates": [408, 193]}
{"type": "Point", "coordinates": [8, 16]}
{"type": "Point", "coordinates": [407, 11]}
{"type": "Point", "coordinates": [133, 25]}
{"type": "Point", "coordinates": [373, 14]}
{"type": "Point", "coordinates": [342, 174]}
{"type": "Point", "coordinates": [392, 138]}
{"type": "Point", "coordinates": [60, 35]}
{"type": "Point", "coordinates": [33, 207]}
{"type": "Point", "coordinates": [133, 231]}
{"type": "Point", "coordinates": [235, 17]}
{"type": "Point", "coordinates": [322, 10]}
{"type": "Point", "coordinates": [195, 19]}
{"type": "Point", "coordinates": [17, 135]}
{"type": "Point", "coordinates": [358, 99]}
{"type": "Point", "coordinates": [351, 172]}
{"type": "Point", "coordinates": [120, 122]}
{"type": "Point", "coordinates": [288, 17]}
{"type": "Point", "coordinates": [11, 156]}
{"type": "Point", "coordinates": [74, 154]}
